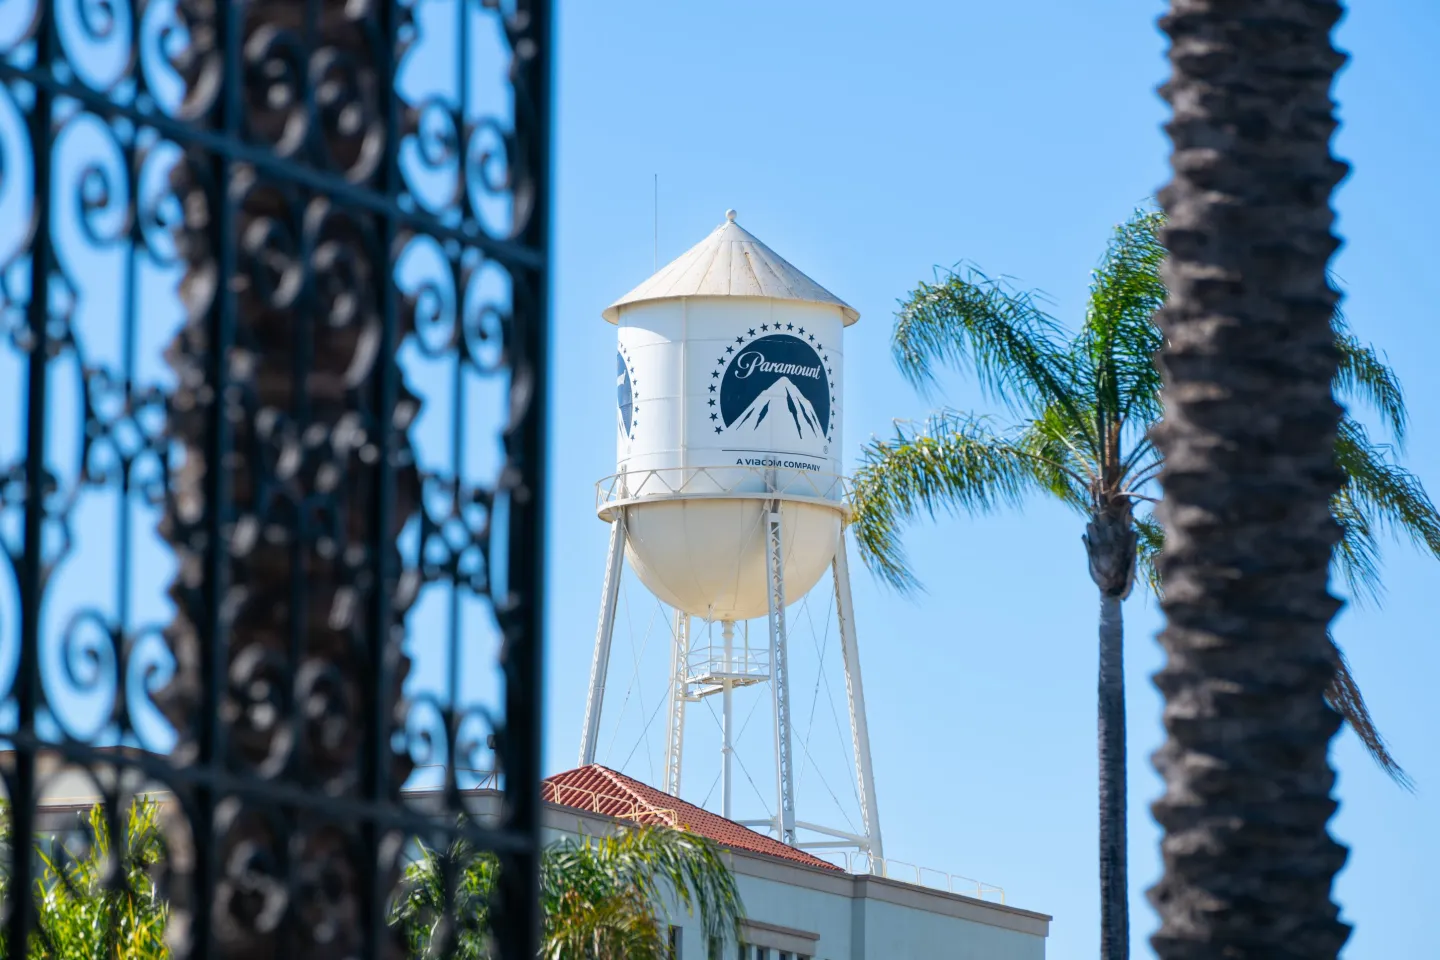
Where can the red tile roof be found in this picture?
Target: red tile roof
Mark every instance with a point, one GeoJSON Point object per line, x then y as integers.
{"type": "Point", "coordinates": [598, 789]}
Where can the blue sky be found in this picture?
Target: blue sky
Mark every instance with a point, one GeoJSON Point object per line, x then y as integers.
{"type": "Point", "coordinates": [867, 147]}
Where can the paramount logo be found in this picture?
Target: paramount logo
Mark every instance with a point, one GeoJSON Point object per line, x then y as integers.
{"type": "Point", "coordinates": [753, 361]}
{"type": "Point", "coordinates": [772, 390]}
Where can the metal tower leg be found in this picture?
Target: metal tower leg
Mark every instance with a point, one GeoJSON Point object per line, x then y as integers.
{"type": "Point", "coordinates": [614, 565]}
{"type": "Point", "coordinates": [779, 678]}
{"type": "Point", "coordinates": [727, 723]}
{"type": "Point", "coordinates": [855, 694]}
{"type": "Point", "coordinates": [679, 669]}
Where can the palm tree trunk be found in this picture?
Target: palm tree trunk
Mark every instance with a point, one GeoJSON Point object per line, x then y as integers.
{"type": "Point", "coordinates": [1248, 440]}
{"type": "Point", "coordinates": [1114, 890]}
{"type": "Point", "coordinates": [1110, 542]}
{"type": "Point", "coordinates": [294, 449]}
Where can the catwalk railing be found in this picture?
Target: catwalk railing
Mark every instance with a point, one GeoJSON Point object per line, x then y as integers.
{"type": "Point", "coordinates": [273, 306]}
{"type": "Point", "coordinates": [730, 482]}
{"type": "Point", "coordinates": [861, 862]}
{"type": "Point", "coordinates": [609, 804]}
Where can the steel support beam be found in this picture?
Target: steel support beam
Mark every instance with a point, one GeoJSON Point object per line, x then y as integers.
{"type": "Point", "coordinates": [604, 634]}
{"type": "Point", "coordinates": [779, 676]}
{"type": "Point", "coordinates": [675, 731]}
{"type": "Point", "coordinates": [855, 695]}
{"type": "Point", "coordinates": [850, 839]}
{"type": "Point", "coordinates": [727, 724]}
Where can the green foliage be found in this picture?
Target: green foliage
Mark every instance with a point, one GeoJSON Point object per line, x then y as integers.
{"type": "Point", "coordinates": [1115, 371]}
{"type": "Point", "coordinates": [102, 904]}
{"type": "Point", "coordinates": [461, 877]}
{"type": "Point", "coordinates": [1084, 402]}
{"type": "Point", "coordinates": [1378, 496]}
{"type": "Point", "coordinates": [953, 462]}
{"type": "Point", "coordinates": [1009, 342]}
{"type": "Point", "coordinates": [602, 898]}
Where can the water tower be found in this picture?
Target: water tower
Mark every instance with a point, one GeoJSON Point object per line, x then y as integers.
{"type": "Point", "coordinates": [728, 500]}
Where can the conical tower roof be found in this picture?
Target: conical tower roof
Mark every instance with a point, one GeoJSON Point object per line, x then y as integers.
{"type": "Point", "coordinates": [730, 262]}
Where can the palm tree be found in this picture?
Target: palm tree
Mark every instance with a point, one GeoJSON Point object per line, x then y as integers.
{"type": "Point", "coordinates": [445, 910]}
{"type": "Point", "coordinates": [602, 898]}
{"type": "Point", "coordinates": [1251, 435]}
{"type": "Point", "coordinates": [1083, 405]}
{"type": "Point", "coordinates": [102, 902]}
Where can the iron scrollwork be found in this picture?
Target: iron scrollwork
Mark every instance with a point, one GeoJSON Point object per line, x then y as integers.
{"type": "Point", "coordinates": [273, 295]}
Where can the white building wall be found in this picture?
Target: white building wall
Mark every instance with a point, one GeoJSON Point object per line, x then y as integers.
{"type": "Point", "coordinates": [856, 917]}
{"type": "Point", "coordinates": [866, 928]}
{"type": "Point", "coordinates": [891, 930]}
{"type": "Point", "coordinates": [815, 911]}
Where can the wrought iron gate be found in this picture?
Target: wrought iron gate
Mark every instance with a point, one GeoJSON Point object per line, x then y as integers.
{"type": "Point", "coordinates": [273, 293]}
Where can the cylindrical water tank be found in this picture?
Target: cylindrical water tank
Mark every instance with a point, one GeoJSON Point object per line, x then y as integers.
{"type": "Point", "coordinates": [728, 381]}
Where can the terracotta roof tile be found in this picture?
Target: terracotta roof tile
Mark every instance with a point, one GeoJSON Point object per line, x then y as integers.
{"type": "Point", "coordinates": [601, 790]}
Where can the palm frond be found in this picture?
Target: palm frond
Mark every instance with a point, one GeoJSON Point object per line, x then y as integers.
{"type": "Point", "coordinates": [690, 866]}
{"type": "Point", "coordinates": [1345, 698]}
{"type": "Point", "coordinates": [1060, 458]}
{"type": "Point", "coordinates": [1365, 376]}
{"type": "Point", "coordinates": [601, 897]}
{"type": "Point", "coordinates": [1119, 341]}
{"type": "Point", "coordinates": [954, 462]}
{"type": "Point", "coordinates": [616, 926]}
{"type": "Point", "coordinates": [1357, 554]}
{"type": "Point", "coordinates": [972, 322]}
{"type": "Point", "coordinates": [1149, 541]}
{"type": "Point", "coordinates": [445, 907]}
{"type": "Point", "coordinates": [1378, 495]}
{"type": "Point", "coordinates": [654, 863]}
{"type": "Point", "coordinates": [1343, 693]}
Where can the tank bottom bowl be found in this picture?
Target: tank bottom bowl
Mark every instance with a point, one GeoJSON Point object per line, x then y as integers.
{"type": "Point", "coordinates": [707, 557]}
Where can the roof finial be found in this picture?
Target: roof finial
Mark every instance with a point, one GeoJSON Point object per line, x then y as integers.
{"type": "Point", "coordinates": [730, 215]}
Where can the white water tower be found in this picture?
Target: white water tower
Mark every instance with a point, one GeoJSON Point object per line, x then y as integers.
{"type": "Point", "coordinates": [728, 500]}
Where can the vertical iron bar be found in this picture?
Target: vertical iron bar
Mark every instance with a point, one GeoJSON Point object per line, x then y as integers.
{"type": "Point", "coordinates": [454, 711]}
{"type": "Point", "coordinates": [28, 691]}
{"type": "Point", "coordinates": [525, 566]}
{"type": "Point", "coordinates": [128, 335]}
{"type": "Point", "coordinates": [213, 639]}
{"type": "Point", "coordinates": [302, 352]}
{"type": "Point", "coordinates": [381, 676]}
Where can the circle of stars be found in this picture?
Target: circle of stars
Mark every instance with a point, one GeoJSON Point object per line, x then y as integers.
{"type": "Point", "coordinates": [751, 334]}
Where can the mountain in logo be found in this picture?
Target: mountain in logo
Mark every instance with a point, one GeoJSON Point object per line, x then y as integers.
{"type": "Point", "coordinates": [781, 408]}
